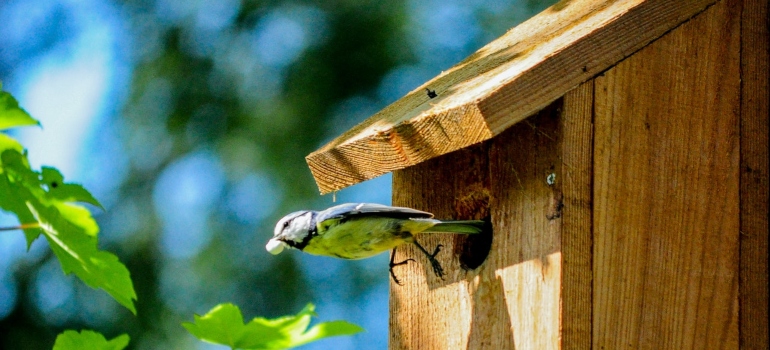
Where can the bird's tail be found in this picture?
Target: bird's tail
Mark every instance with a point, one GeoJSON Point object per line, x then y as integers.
{"type": "Point", "coordinates": [458, 226]}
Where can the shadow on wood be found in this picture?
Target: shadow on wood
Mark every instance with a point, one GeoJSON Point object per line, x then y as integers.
{"type": "Point", "coordinates": [523, 270]}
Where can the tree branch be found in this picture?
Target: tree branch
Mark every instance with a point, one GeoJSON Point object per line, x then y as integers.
{"type": "Point", "coordinates": [20, 227]}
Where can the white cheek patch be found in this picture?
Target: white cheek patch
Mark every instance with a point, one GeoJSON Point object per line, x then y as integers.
{"type": "Point", "coordinates": [297, 230]}
{"type": "Point", "coordinates": [275, 246]}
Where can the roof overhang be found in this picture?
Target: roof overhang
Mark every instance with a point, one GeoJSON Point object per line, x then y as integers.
{"type": "Point", "coordinates": [499, 85]}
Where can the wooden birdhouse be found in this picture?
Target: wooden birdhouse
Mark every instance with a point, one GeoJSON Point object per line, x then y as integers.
{"type": "Point", "coordinates": [620, 151]}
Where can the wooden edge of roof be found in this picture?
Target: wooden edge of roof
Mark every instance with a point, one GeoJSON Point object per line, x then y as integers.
{"type": "Point", "coordinates": [499, 85]}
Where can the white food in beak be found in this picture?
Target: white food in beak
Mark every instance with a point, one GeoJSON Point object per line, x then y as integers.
{"type": "Point", "coordinates": [275, 246]}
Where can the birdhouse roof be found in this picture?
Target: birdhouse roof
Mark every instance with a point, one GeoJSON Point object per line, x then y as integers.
{"type": "Point", "coordinates": [498, 86]}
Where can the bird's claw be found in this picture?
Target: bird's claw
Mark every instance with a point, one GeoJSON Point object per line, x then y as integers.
{"type": "Point", "coordinates": [437, 269]}
{"type": "Point", "coordinates": [432, 258]}
{"type": "Point", "coordinates": [394, 264]}
{"type": "Point", "coordinates": [435, 251]}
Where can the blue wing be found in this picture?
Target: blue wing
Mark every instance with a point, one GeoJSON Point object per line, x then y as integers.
{"type": "Point", "coordinates": [351, 210]}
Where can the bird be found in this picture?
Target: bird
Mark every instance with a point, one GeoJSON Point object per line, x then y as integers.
{"type": "Point", "coordinates": [363, 230]}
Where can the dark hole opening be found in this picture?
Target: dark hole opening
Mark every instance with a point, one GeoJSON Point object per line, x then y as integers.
{"type": "Point", "coordinates": [475, 248]}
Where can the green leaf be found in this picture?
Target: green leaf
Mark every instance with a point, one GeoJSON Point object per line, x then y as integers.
{"type": "Point", "coordinates": [79, 217]}
{"type": "Point", "coordinates": [16, 165]}
{"type": "Point", "coordinates": [69, 229]}
{"type": "Point", "coordinates": [89, 340]}
{"type": "Point", "coordinates": [11, 115]}
{"type": "Point", "coordinates": [224, 325]}
{"type": "Point", "coordinates": [42, 203]}
{"type": "Point", "coordinates": [77, 252]}
{"type": "Point", "coordinates": [14, 197]}
{"type": "Point", "coordinates": [66, 192]}
{"type": "Point", "coordinates": [327, 329]}
{"type": "Point", "coordinates": [7, 142]}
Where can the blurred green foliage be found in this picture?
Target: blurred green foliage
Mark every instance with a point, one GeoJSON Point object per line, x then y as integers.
{"type": "Point", "coordinates": [238, 101]}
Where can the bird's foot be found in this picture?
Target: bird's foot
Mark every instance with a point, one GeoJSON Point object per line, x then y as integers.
{"type": "Point", "coordinates": [437, 269]}
{"type": "Point", "coordinates": [432, 258]}
{"type": "Point", "coordinates": [394, 264]}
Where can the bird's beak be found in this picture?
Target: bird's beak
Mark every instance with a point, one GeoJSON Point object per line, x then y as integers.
{"type": "Point", "coordinates": [275, 246]}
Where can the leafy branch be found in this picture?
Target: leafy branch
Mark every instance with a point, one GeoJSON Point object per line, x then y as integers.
{"type": "Point", "coordinates": [45, 204]}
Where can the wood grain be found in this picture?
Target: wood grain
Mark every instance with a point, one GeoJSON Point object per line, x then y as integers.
{"type": "Point", "coordinates": [501, 84]}
{"type": "Point", "coordinates": [515, 299]}
{"type": "Point", "coordinates": [666, 191]}
{"type": "Point", "coordinates": [576, 180]}
{"type": "Point", "coordinates": [526, 253]}
{"type": "Point", "coordinates": [427, 312]}
{"type": "Point", "coordinates": [755, 109]}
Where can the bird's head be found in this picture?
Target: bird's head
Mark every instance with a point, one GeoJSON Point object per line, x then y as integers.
{"type": "Point", "coordinates": [292, 231]}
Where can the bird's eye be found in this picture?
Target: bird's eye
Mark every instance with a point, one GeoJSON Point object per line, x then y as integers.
{"type": "Point", "coordinates": [285, 224]}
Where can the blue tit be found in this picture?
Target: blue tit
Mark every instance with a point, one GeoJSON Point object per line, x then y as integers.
{"type": "Point", "coordinates": [362, 230]}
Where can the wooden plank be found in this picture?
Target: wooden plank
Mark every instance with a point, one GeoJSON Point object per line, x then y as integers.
{"type": "Point", "coordinates": [755, 109]}
{"type": "Point", "coordinates": [427, 312]}
{"type": "Point", "coordinates": [576, 180]}
{"type": "Point", "coordinates": [666, 187]}
{"type": "Point", "coordinates": [514, 300]}
{"type": "Point", "coordinates": [526, 252]}
{"type": "Point", "coordinates": [502, 83]}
